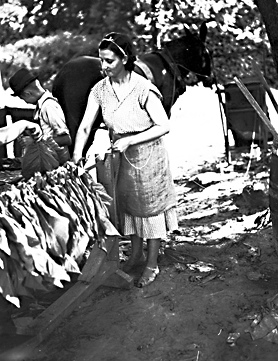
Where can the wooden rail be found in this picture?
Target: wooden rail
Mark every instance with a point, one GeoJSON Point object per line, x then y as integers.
{"type": "Point", "coordinates": [257, 108]}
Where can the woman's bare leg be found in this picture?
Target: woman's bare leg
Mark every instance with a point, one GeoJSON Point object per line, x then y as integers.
{"type": "Point", "coordinates": [137, 256]}
{"type": "Point", "coordinates": [137, 250]}
{"type": "Point", "coordinates": [151, 270]}
{"type": "Point", "coordinates": [153, 250]}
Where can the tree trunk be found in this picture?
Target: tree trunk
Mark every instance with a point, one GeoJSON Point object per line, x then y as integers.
{"type": "Point", "coordinates": [154, 30]}
{"type": "Point", "coordinates": [269, 12]}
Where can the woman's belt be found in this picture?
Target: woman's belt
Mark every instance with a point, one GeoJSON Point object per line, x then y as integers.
{"type": "Point", "coordinates": [115, 136]}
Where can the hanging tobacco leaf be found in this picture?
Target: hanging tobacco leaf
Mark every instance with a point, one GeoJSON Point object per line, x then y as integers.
{"type": "Point", "coordinates": [15, 234]}
{"type": "Point", "coordinates": [4, 244]}
{"type": "Point", "coordinates": [59, 224]}
{"type": "Point", "coordinates": [53, 246]}
{"type": "Point", "coordinates": [62, 152]}
{"type": "Point", "coordinates": [47, 267]}
{"type": "Point", "coordinates": [7, 289]}
{"type": "Point", "coordinates": [6, 285]}
{"type": "Point", "coordinates": [39, 157]}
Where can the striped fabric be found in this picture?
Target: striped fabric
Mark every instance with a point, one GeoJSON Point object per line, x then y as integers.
{"type": "Point", "coordinates": [151, 227]}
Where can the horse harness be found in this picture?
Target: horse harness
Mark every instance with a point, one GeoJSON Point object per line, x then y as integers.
{"type": "Point", "coordinates": [171, 66]}
{"type": "Point", "coordinates": [179, 85]}
{"type": "Point", "coordinates": [145, 69]}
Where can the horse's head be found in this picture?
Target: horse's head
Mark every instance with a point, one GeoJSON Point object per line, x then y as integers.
{"type": "Point", "coordinates": [192, 57]}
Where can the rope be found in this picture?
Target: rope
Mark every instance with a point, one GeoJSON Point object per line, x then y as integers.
{"type": "Point", "coordinates": [139, 168]}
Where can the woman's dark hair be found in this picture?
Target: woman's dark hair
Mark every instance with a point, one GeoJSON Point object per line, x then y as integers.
{"type": "Point", "coordinates": [121, 45]}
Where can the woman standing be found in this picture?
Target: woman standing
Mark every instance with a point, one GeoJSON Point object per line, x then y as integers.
{"type": "Point", "coordinates": [132, 110]}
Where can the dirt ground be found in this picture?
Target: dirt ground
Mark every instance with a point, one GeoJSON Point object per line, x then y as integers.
{"type": "Point", "coordinates": [213, 298]}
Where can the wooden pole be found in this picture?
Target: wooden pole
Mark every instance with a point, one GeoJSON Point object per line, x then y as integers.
{"type": "Point", "coordinates": [257, 108]}
{"type": "Point", "coordinates": [265, 85]}
{"type": "Point", "coordinates": [224, 125]}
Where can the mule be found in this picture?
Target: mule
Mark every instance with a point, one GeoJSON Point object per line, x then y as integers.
{"type": "Point", "coordinates": [166, 68]}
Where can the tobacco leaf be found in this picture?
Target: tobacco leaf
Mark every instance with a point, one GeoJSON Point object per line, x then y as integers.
{"type": "Point", "coordinates": [62, 152]}
{"type": "Point", "coordinates": [7, 289]}
{"type": "Point", "coordinates": [29, 213]}
{"type": "Point", "coordinates": [63, 206]}
{"type": "Point", "coordinates": [70, 264]}
{"type": "Point", "coordinates": [59, 224]}
{"type": "Point", "coordinates": [6, 285]}
{"type": "Point", "coordinates": [80, 243]}
{"type": "Point", "coordinates": [15, 234]}
{"type": "Point", "coordinates": [17, 276]}
{"type": "Point", "coordinates": [4, 244]}
{"type": "Point", "coordinates": [26, 224]}
{"type": "Point", "coordinates": [39, 157]}
{"type": "Point", "coordinates": [47, 267]}
{"type": "Point", "coordinates": [107, 225]}
{"type": "Point", "coordinates": [53, 245]}
{"type": "Point", "coordinates": [34, 282]}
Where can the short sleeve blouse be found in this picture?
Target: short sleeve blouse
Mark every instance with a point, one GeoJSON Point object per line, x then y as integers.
{"type": "Point", "coordinates": [129, 114]}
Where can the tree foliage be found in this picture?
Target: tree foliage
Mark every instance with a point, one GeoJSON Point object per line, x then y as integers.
{"type": "Point", "coordinates": [43, 17]}
{"type": "Point", "coordinates": [235, 34]}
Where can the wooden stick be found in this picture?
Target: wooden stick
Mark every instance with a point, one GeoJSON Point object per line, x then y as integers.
{"type": "Point", "coordinates": [257, 108]}
{"type": "Point", "coordinates": [265, 85]}
{"type": "Point", "coordinates": [46, 322]}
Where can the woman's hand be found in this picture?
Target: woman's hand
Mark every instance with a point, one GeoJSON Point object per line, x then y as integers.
{"type": "Point", "coordinates": [76, 158]}
{"type": "Point", "coordinates": [122, 144]}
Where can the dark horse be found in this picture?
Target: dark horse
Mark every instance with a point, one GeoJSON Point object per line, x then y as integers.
{"type": "Point", "coordinates": [166, 68]}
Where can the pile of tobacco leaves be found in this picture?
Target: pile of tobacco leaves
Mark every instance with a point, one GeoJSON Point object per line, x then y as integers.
{"type": "Point", "coordinates": [46, 225]}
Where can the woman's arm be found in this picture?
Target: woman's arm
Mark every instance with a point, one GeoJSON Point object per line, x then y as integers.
{"type": "Point", "coordinates": [85, 127]}
{"type": "Point", "coordinates": [13, 131]}
{"type": "Point", "coordinates": [161, 125]}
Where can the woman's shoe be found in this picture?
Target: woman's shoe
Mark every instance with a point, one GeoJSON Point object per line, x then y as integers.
{"type": "Point", "coordinates": [146, 280]}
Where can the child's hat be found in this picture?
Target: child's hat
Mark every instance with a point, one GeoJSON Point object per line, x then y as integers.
{"type": "Point", "coordinates": [20, 80]}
